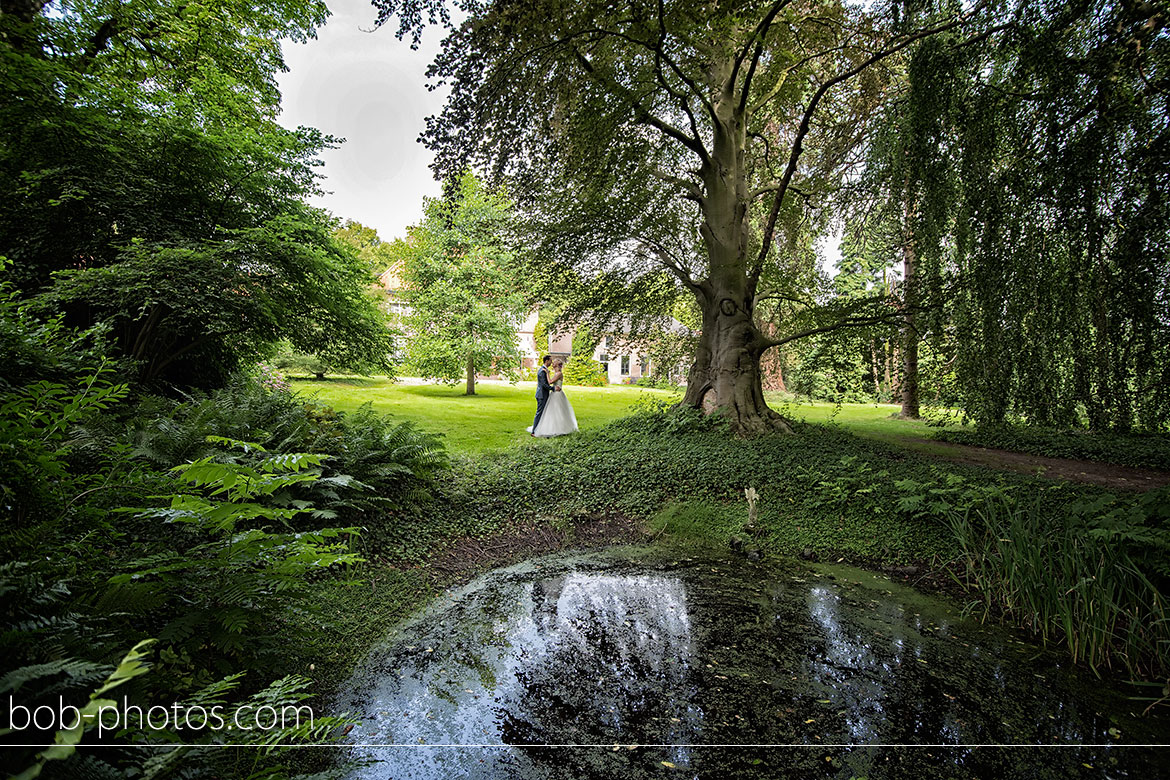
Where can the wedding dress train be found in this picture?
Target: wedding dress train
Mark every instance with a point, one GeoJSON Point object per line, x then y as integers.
{"type": "Point", "coordinates": [558, 418]}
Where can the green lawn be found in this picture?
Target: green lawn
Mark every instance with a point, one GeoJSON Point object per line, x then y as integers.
{"type": "Point", "coordinates": [498, 414]}
{"type": "Point", "coordinates": [495, 417]}
{"type": "Point", "coordinates": [873, 420]}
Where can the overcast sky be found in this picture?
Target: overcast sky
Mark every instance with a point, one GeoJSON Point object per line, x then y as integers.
{"type": "Point", "coordinates": [369, 88]}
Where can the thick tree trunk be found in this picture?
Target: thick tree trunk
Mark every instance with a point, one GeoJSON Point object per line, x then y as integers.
{"type": "Point", "coordinates": [470, 375]}
{"type": "Point", "coordinates": [726, 374]}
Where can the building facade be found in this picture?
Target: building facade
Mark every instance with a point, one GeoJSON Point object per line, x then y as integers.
{"type": "Point", "coordinates": [624, 359]}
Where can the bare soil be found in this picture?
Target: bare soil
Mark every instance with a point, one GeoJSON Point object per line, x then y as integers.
{"type": "Point", "coordinates": [540, 536]}
{"type": "Point", "coordinates": [1104, 474]}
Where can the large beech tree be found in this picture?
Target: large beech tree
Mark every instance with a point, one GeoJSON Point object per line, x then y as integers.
{"type": "Point", "coordinates": [694, 137]}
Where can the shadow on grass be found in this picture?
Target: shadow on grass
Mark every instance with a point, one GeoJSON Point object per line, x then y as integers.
{"type": "Point", "coordinates": [341, 381]}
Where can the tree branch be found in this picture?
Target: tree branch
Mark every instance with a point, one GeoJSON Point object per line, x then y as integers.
{"type": "Point", "coordinates": [759, 35]}
{"type": "Point", "coordinates": [893, 318]}
{"type": "Point", "coordinates": [641, 112]}
{"type": "Point", "coordinates": [672, 263]}
{"type": "Point", "coordinates": [806, 123]}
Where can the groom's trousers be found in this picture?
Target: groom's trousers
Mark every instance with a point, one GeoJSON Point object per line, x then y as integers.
{"type": "Point", "coordinates": [540, 402]}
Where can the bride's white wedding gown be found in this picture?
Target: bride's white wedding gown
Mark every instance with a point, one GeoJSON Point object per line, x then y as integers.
{"type": "Point", "coordinates": [558, 418]}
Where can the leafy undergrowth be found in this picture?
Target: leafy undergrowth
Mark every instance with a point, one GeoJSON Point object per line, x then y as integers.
{"type": "Point", "coordinates": [1140, 450]}
{"type": "Point", "coordinates": [827, 493]}
{"type": "Point", "coordinates": [823, 489]}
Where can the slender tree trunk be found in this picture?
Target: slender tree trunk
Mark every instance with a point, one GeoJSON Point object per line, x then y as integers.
{"type": "Point", "coordinates": [909, 301]}
{"type": "Point", "coordinates": [470, 375]}
{"type": "Point", "coordinates": [889, 378]}
{"type": "Point", "coordinates": [873, 362]}
{"type": "Point", "coordinates": [910, 409]}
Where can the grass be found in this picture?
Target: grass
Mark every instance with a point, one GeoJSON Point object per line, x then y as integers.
{"type": "Point", "coordinates": [873, 421]}
{"type": "Point", "coordinates": [494, 418]}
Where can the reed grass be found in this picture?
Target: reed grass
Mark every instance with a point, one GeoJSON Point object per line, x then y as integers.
{"type": "Point", "coordinates": [1094, 593]}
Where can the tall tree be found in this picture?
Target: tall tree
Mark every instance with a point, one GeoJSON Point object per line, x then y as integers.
{"type": "Point", "coordinates": [694, 137]}
{"type": "Point", "coordinates": [1027, 173]}
{"type": "Point", "coordinates": [366, 244]}
{"type": "Point", "coordinates": [1062, 234]}
{"type": "Point", "coordinates": [459, 280]}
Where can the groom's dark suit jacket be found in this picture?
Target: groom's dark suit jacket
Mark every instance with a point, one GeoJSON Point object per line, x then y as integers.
{"type": "Point", "coordinates": [543, 388]}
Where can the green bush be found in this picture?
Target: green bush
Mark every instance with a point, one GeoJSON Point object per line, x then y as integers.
{"type": "Point", "coordinates": [291, 361]}
{"type": "Point", "coordinates": [35, 347]}
{"type": "Point", "coordinates": [389, 466]}
{"type": "Point", "coordinates": [1141, 450]}
{"type": "Point", "coordinates": [39, 435]}
{"type": "Point", "coordinates": [585, 371]}
{"type": "Point", "coordinates": [657, 382]}
{"type": "Point", "coordinates": [225, 580]}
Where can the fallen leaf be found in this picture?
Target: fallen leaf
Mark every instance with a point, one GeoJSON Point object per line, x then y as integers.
{"type": "Point", "coordinates": [669, 765]}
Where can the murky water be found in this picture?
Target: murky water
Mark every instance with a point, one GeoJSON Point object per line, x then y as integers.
{"type": "Point", "coordinates": [720, 668]}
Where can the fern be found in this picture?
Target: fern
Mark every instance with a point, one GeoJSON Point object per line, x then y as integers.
{"type": "Point", "coordinates": [232, 572]}
{"type": "Point", "coordinates": [76, 670]}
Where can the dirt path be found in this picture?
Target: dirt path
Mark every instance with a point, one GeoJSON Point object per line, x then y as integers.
{"type": "Point", "coordinates": [1104, 474]}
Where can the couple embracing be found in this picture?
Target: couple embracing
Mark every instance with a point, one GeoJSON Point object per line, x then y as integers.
{"type": "Point", "coordinates": [554, 414]}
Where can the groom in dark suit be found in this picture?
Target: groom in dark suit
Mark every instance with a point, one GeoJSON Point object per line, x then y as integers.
{"type": "Point", "coordinates": [543, 388]}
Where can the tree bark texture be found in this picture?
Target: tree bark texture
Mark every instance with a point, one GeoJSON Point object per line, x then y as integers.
{"type": "Point", "coordinates": [470, 375]}
{"type": "Point", "coordinates": [726, 372]}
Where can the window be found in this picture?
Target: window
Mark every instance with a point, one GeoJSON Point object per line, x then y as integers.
{"type": "Point", "coordinates": [625, 365]}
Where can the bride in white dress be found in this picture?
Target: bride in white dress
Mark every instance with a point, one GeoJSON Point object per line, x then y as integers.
{"type": "Point", "coordinates": [558, 418]}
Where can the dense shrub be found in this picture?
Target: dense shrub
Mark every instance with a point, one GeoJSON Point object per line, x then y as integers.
{"type": "Point", "coordinates": [1142, 450]}
{"type": "Point", "coordinates": [375, 465]}
{"type": "Point", "coordinates": [583, 370]}
{"type": "Point", "coordinates": [85, 591]}
{"type": "Point", "coordinates": [657, 381]}
{"type": "Point", "coordinates": [218, 567]}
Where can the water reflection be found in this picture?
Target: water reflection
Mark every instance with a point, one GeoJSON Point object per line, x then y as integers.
{"type": "Point", "coordinates": [897, 676]}
{"type": "Point", "coordinates": [690, 655]}
{"type": "Point", "coordinates": [578, 658]}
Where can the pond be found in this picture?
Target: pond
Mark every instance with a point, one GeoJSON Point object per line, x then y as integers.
{"type": "Point", "coordinates": [636, 662]}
